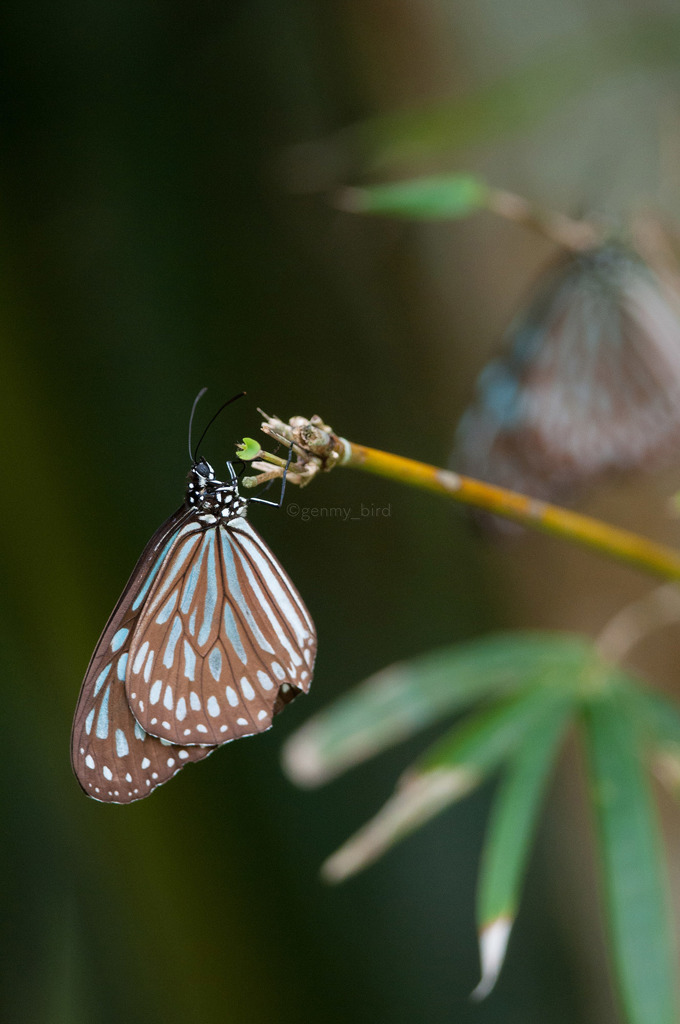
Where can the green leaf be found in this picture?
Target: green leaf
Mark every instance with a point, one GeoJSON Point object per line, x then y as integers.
{"type": "Point", "coordinates": [659, 719]}
{"type": "Point", "coordinates": [408, 696]}
{"type": "Point", "coordinates": [482, 741]}
{"type": "Point", "coordinates": [633, 872]}
{"type": "Point", "coordinates": [248, 449]}
{"type": "Point", "coordinates": [434, 198]}
{"type": "Point", "coordinates": [448, 771]}
{"type": "Point", "coordinates": [658, 716]}
{"type": "Point", "coordinates": [510, 833]}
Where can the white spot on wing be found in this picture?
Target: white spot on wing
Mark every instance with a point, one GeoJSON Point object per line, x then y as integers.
{"type": "Point", "coordinates": [89, 761]}
{"type": "Point", "coordinates": [213, 707]}
{"type": "Point", "coordinates": [194, 701]}
{"type": "Point", "coordinates": [232, 696]}
{"type": "Point", "coordinates": [155, 692]}
{"type": "Point", "coordinates": [264, 680]}
{"type": "Point", "coordinates": [181, 710]}
{"type": "Point", "coordinates": [139, 657]}
{"type": "Point", "coordinates": [189, 661]}
{"type": "Point", "coordinates": [121, 743]}
{"type": "Point", "coordinates": [148, 667]}
{"type": "Point", "coordinates": [146, 762]}
{"type": "Point", "coordinates": [167, 698]}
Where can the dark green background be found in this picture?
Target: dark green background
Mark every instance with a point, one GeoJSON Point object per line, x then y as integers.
{"type": "Point", "coordinates": [150, 244]}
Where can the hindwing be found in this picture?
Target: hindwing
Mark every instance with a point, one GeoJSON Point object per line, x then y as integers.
{"type": "Point", "coordinates": [113, 758]}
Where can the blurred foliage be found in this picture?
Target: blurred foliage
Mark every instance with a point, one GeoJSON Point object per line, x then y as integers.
{"type": "Point", "coordinates": [555, 680]}
{"type": "Point", "coordinates": [149, 246]}
{"type": "Point", "coordinates": [443, 196]}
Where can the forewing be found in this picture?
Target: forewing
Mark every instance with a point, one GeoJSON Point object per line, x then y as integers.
{"type": "Point", "coordinates": [223, 643]}
{"type": "Point", "coordinates": [113, 758]}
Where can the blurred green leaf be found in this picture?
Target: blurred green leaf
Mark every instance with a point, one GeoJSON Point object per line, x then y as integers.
{"type": "Point", "coordinates": [659, 719]}
{"type": "Point", "coordinates": [635, 886]}
{"type": "Point", "coordinates": [448, 771]}
{"type": "Point", "coordinates": [510, 832]}
{"type": "Point", "coordinates": [404, 698]}
{"type": "Point", "coordinates": [482, 741]}
{"type": "Point", "coordinates": [439, 197]}
{"type": "Point", "coordinates": [658, 716]}
{"type": "Point", "coordinates": [521, 98]}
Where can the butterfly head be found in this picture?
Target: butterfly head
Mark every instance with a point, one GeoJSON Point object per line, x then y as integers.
{"type": "Point", "coordinates": [213, 499]}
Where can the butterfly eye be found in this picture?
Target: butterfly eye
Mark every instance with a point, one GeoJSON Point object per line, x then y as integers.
{"type": "Point", "coordinates": [203, 470]}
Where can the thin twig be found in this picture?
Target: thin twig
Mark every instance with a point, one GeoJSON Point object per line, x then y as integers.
{"type": "Point", "coordinates": [634, 622]}
{"type": "Point", "coordinates": [319, 449]}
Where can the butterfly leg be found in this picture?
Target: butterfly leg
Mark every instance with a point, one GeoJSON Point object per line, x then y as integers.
{"type": "Point", "coordinates": [279, 503]}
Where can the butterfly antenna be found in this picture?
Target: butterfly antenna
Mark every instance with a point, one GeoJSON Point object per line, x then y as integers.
{"type": "Point", "coordinates": [224, 405]}
{"type": "Point", "coordinates": [197, 399]}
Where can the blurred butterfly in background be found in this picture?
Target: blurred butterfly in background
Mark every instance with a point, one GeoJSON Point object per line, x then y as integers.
{"type": "Point", "coordinates": [209, 640]}
{"type": "Point", "coordinates": [589, 381]}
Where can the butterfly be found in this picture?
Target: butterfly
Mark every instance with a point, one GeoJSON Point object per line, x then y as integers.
{"type": "Point", "coordinates": [589, 381]}
{"type": "Point", "coordinates": [209, 640]}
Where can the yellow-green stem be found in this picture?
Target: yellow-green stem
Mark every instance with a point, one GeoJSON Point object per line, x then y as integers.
{"type": "Point", "coordinates": [538, 515]}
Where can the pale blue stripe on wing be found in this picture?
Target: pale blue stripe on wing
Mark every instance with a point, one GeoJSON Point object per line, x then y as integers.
{"type": "Point", "coordinates": [232, 632]}
{"type": "Point", "coordinates": [236, 593]}
{"type": "Point", "coordinates": [175, 633]}
{"type": "Point", "coordinates": [100, 679]}
{"type": "Point", "coordinates": [103, 716]}
{"type": "Point", "coordinates": [210, 591]}
{"type": "Point", "coordinates": [119, 639]}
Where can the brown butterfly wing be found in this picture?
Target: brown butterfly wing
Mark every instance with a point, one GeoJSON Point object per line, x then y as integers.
{"type": "Point", "coordinates": [113, 758]}
{"type": "Point", "coordinates": [224, 640]}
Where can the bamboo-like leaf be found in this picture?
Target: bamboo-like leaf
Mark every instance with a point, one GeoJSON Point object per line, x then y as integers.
{"type": "Point", "coordinates": [659, 718]}
{"type": "Point", "coordinates": [440, 197]}
{"type": "Point", "coordinates": [449, 770]}
{"type": "Point", "coordinates": [408, 696]}
{"type": "Point", "coordinates": [633, 872]}
{"type": "Point", "coordinates": [510, 833]}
